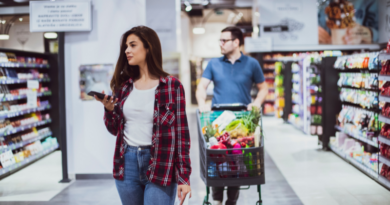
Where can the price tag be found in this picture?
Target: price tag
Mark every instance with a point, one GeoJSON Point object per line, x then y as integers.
{"type": "Point", "coordinates": [32, 99]}
{"type": "Point", "coordinates": [32, 84]}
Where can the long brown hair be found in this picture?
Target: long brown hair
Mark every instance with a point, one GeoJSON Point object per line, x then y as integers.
{"type": "Point", "coordinates": [124, 71]}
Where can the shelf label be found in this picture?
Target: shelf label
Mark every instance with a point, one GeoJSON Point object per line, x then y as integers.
{"type": "Point", "coordinates": [32, 99]}
{"type": "Point", "coordinates": [32, 84]}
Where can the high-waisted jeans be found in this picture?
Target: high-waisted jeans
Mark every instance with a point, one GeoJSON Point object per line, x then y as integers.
{"type": "Point", "coordinates": [136, 189]}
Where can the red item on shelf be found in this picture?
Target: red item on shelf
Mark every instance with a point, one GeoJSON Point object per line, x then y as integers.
{"type": "Point", "coordinates": [313, 110]}
{"type": "Point", "coordinates": [388, 47]}
{"type": "Point", "coordinates": [382, 149]}
{"type": "Point", "coordinates": [319, 110]}
{"type": "Point", "coordinates": [384, 171]}
{"type": "Point", "coordinates": [385, 90]}
{"type": "Point", "coordinates": [385, 130]}
{"type": "Point", "coordinates": [385, 68]}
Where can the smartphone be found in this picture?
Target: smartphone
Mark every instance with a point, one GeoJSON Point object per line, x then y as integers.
{"type": "Point", "coordinates": [99, 95]}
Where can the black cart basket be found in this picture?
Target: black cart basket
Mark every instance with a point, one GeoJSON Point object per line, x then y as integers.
{"type": "Point", "coordinates": [230, 167]}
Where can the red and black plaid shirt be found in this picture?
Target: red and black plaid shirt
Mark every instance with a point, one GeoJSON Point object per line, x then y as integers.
{"type": "Point", "coordinates": [170, 152]}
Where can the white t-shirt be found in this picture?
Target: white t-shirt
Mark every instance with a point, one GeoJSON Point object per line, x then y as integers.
{"type": "Point", "coordinates": [138, 112]}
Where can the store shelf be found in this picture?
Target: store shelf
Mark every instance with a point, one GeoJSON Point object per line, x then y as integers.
{"type": "Point", "coordinates": [28, 111]}
{"type": "Point", "coordinates": [295, 81]}
{"type": "Point", "coordinates": [18, 81]}
{"type": "Point", "coordinates": [28, 160]}
{"type": "Point", "coordinates": [384, 119]}
{"type": "Point", "coordinates": [295, 72]}
{"type": "Point", "coordinates": [358, 137]}
{"type": "Point", "coordinates": [384, 77]}
{"type": "Point", "coordinates": [356, 70]}
{"type": "Point", "coordinates": [25, 127]}
{"type": "Point", "coordinates": [20, 97]}
{"type": "Point", "coordinates": [384, 139]}
{"type": "Point", "coordinates": [385, 182]}
{"type": "Point", "coordinates": [24, 143]}
{"type": "Point", "coordinates": [269, 101]}
{"type": "Point", "coordinates": [383, 98]}
{"type": "Point", "coordinates": [384, 160]}
{"type": "Point", "coordinates": [359, 106]}
{"type": "Point", "coordinates": [384, 56]}
{"type": "Point", "coordinates": [295, 102]}
{"type": "Point", "coordinates": [357, 164]}
{"type": "Point", "coordinates": [305, 48]}
{"type": "Point", "coordinates": [365, 89]}
{"type": "Point", "coordinates": [294, 91]}
{"type": "Point", "coordinates": [23, 65]}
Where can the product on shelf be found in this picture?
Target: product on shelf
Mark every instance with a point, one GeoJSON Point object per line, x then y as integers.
{"type": "Point", "coordinates": [358, 61]}
{"type": "Point", "coordinates": [366, 99]}
{"type": "Point", "coordinates": [358, 121]}
{"type": "Point", "coordinates": [359, 80]}
{"type": "Point", "coordinates": [356, 150]}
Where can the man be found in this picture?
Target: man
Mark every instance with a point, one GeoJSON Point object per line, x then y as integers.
{"type": "Point", "coordinates": [233, 76]}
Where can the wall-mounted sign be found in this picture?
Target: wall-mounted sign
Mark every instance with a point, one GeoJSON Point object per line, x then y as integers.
{"type": "Point", "coordinates": [262, 44]}
{"type": "Point", "coordinates": [289, 22]}
{"type": "Point", "coordinates": [60, 16]}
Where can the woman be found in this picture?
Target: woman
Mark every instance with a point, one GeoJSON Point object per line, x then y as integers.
{"type": "Point", "coordinates": [151, 160]}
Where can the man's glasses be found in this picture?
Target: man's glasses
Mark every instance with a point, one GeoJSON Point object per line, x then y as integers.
{"type": "Point", "coordinates": [223, 41]}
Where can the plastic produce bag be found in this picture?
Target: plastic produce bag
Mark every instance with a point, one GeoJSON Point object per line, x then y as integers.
{"type": "Point", "coordinates": [224, 119]}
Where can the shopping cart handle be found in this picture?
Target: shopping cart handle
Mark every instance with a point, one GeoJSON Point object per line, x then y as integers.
{"type": "Point", "coordinates": [231, 107]}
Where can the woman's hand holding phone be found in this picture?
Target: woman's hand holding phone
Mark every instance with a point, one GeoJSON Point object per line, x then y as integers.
{"type": "Point", "coordinates": [108, 104]}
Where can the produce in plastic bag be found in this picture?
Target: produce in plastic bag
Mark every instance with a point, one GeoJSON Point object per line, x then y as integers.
{"type": "Point", "coordinates": [239, 131]}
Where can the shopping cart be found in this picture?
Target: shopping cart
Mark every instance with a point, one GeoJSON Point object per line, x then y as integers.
{"type": "Point", "coordinates": [220, 168]}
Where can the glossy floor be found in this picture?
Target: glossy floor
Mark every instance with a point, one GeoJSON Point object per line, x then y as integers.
{"type": "Point", "coordinates": [297, 172]}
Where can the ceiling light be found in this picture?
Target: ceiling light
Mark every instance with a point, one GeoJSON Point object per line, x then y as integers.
{"type": "Point", "coordinates": [257, 13]}
{"type": "Point", "coordinates": [188, 6]}
{"type": "Point", "coordinates": [20, 19]}
{"type": "Point", "coordinates": [4, 36]}
{"type": "Point", "coordinates": [3, 22]}
{"type": "Point", "coordinates": [205, 2]}
{"type": "Point", "coordinates": [198, 30]}
{"type": "Point", "coordinates": [51, 35]}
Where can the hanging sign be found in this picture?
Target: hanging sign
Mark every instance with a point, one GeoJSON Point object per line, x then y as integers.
{"type": "Point", "coordinates": [60, 16]}
{"type": "Point", "coordinates": [262, 44]}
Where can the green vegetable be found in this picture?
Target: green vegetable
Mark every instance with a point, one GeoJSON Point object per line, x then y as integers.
{"type": "Point", "coordinates": [233, 125]}
{"type": "Point", "coordinates": [251, 120]}
{"type": "Point", "coordinates": [210, 131]}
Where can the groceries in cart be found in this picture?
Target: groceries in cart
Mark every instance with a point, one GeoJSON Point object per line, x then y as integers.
{"type": "Point", "coordinates": [231, 132]}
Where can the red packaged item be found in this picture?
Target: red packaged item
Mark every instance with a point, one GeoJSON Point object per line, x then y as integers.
{"type": "Point", "coordinates": [388, 47]}
{"type": "Point", "coordinates": [384, 170]}
{"type": "Point", "coordinates": [385, 89]}
{"type": "Point", "coordinates": [385, 67]}
{"type": "Point", "coordinates": [225, 139]}
{"type": "Point", "coordinates": [313, 110]}
{"type": "Point", "coordinates": [319, 110]}
{"type": "Point", "coordinates": [385, 130]}
{"type": "Point", "coordinates": [382, 149]}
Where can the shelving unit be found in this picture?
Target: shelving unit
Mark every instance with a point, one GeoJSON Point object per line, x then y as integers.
{"type": "Point", "coordinates": [50, 106]}
{"type": "Point", "coordinates": [358, 137]}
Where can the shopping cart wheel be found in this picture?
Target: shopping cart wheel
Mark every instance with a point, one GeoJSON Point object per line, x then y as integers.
{"type": "Point", "coordinates": [206, 198]}
{"type": "Point", "coordinates": [259, 202]}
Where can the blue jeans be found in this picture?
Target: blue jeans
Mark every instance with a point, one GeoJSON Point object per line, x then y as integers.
{"type": "Point", "coordinates": [136, 189]}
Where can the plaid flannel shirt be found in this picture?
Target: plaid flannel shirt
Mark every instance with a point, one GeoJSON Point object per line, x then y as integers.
{"type": "Point", "coordinates": [170, 151]}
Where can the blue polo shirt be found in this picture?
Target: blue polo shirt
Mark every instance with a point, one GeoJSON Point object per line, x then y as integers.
{"type": "Point", "coordinates": [233, 82]}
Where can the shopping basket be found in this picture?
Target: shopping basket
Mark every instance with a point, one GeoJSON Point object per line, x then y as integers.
{"type": "Point", "coordinates": [220, 168]}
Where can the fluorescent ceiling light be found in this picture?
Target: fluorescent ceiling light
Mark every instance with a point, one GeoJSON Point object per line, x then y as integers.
{"type": "Point", "coordinates": [20, 19]}
{"type": "Point", "coordinates": [50, 35]}
{"type": "Point", "coordinates": [198, 30]}
{"type": "Point", "coordinates": [205, 2]}
{"type": "Point", "coordinates": [4, 36]}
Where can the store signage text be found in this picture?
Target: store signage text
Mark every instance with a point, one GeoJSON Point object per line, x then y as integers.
{"type": "Point", "coordinates": [60, 16]}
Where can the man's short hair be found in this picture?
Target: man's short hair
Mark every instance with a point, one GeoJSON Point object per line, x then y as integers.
{"type": "Point", "coordinates": [236, 33]}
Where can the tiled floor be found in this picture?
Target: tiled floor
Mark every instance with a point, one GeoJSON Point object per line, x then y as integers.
{"type": "Point", "coordinates": [296, 170]}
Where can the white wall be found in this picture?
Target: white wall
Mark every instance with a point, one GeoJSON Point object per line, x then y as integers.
{"type": "Point", "coordinates": [20, 32]}
{"type": "Point", "coordinates": [90, 146]}
{"type": "Point", "coordinates": [207, 45]}
{"type": "Point", "coordinates": [185, 45]}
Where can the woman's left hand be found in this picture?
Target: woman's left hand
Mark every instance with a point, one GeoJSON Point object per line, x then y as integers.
{"type": "Point", "coordinates": [182, 191]}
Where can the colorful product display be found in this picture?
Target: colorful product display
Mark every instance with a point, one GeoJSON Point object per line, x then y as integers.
{"type": "Point", "coordinates": [366, 99]}
{"type": "Point", "coordinates": [279, 90]}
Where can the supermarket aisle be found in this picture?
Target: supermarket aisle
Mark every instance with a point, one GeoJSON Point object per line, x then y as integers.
{"type": "Point", "coordinates": [296, 171]}
{"type": "Point", "coordinates": [276, 191]}
{"type": "Point", "coordinates": [316, 176]}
